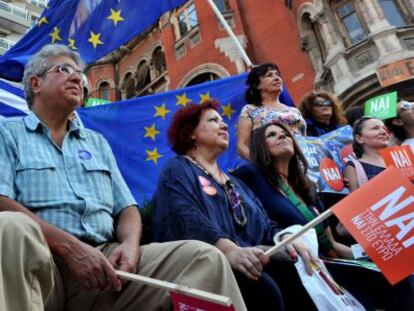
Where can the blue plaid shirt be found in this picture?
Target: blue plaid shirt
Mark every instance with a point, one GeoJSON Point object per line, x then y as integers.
{"type": "Point", "coordinates": [76, 187]}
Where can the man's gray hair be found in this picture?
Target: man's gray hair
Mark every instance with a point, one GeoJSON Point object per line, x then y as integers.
{"type": "Point", "coordinates": [41, 62]}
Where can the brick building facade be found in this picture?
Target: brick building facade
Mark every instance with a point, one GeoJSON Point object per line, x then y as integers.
{"type": "Point", "coordinates": [189, 46]}
{"type": "Point", "coordinates": [356, 49]}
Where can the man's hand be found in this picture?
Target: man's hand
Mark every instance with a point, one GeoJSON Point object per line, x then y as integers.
{"type": "Point", "coordinates": [125, 257]}
{"type": "Point", "coordinates": [248, 260]}
{"type": "Point", "coordinates": [91, 268]}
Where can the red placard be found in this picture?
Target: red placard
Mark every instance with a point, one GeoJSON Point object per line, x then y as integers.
{"type": "Point", "coordinates": [331, 174]}
{"type": "Point", "coordinates": [401, 157]}
{"type": "Point", "coordinates": [380, 216]}
{"type": "Point", "coordinates": [182, 302]}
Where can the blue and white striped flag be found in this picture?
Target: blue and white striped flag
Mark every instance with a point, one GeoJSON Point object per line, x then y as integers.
{"type": "Point", "coordinates": [12, 101]}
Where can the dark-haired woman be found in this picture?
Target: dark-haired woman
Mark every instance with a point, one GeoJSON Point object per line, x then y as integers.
{"type": "Point", "coordinates": [322, 112]}
{"type": "Point", "coordinates": [263, 106]}
{"type": "Point", "coordinates": [278, 178]}
{"type": "Point", "coordinates": [195, 199]}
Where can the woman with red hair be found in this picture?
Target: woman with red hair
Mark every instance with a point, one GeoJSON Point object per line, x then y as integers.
{"type": "Point", "coordinates": [195, 199]}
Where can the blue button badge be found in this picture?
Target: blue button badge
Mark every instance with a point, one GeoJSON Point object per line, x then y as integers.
{"type": "Point", "coordinates": [84, 154]}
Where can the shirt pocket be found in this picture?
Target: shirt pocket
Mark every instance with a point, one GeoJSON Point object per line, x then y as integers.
{"type": "Point", "coordinates": [99, 183]}
{"type": "Point", "coordinates": [36, 182]}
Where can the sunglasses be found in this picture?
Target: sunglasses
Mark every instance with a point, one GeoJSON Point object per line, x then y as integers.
{"type": "Point", "coordinates": [322, 103]}
{"type": "Point", "coordinates": [406, 106]}
{"type": "Point", "coordinates": [68, 70]}
{"type": "Point", "coordinates": [236, 203]}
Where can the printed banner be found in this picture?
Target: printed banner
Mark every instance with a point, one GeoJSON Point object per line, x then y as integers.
{"type": "Point", "coordinates": [380, 216]}
{"type": "Point", "coordinates": [401, 157]}
{"type": "Point", "coordinates": [327, 156]}
{"type": "Point", "coordinates": [183, 302]}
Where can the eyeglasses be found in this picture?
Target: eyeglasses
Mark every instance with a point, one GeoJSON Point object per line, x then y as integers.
{"type": "Point", "coordinates": [236, 203]}
{"type": "Point", "coordinates": [69, 71]}
{"type": "Point", "coordinates": [406, 106]}
{"type": "Point", "coordinates": [322, 103]}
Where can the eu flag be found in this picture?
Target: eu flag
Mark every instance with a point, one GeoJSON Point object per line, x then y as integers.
{"type": "Point", "coordinates": [94, 28]}
{"type": "Point", "coordinates": [136, 129]}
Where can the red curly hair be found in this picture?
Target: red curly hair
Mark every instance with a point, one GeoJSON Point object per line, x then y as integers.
{"type": "Point", "coordinates": [184, 123]}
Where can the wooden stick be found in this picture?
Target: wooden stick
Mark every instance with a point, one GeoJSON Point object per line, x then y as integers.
{"type": "Point", "coordinates": [305, 228]}
{"type": "Point", "coordinates": [219, 299]}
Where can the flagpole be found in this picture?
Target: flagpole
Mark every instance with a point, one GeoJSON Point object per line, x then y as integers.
{"type": "Point", "coordinates": [197, 293]}
{"type": "Point", "coordinates": [305, 228]}
{"type": "Point", "coordinates": [230, 33]}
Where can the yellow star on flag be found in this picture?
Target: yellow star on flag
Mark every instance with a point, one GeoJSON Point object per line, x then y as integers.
{"type": "Point", "coordinates": [182, 100]}
{"type": "Point", "coordinates": [115, 16]}
{"type": "Point", "coordinates": [228, 111]}
{"type": "Point", "coordinates": [161, 111]}
{"type": "Point", "coordinates": [153, 155]}
{"type": "Point", "coordinates": [151, 131]}
{"type": "Point", "coordinates": [95, 39]}
{"type": "Point", "coordinates": [55, 35]}
{"type": "Point", "coordinates": [72, 44]}
{"type": "Point", "coordinates": [42, 21]}
{"type": "Point", "coordinates": [204, 97]}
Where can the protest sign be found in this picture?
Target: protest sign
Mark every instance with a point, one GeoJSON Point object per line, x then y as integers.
{"type": "Point", "coordinates": [401, 157]}
{"type": "Point", "coordinates": [184, 298]}
{"type": "Point", "coordinates": [183, 302]}
{"type": "Point", "coordinates": [325, 150]}
{"type": "Point", "coordinates": [380, 216]}
{"type": "Point", "coordinates": [331, 174]}
{"type": "Point", "coordinates": [381, 107]}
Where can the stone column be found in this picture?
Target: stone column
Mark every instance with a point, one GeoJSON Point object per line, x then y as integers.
{"type": "Point", "coordinates": [381, 32]}
{"type": "Point", "coordinates": [335, 59]}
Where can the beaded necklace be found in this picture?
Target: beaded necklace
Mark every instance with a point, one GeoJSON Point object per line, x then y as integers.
{"type": "Point", "coordinates": [234, 198]}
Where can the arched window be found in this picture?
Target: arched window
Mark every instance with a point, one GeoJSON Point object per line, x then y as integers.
{"type": "Point", "coordinates": [104, 90]}
{"type": "Point", "coordinates": [129, 86]}
{"type": "Point", "coordinates": [203, 77]}
{"type": "Point", "coordinates": [158, 59]}
{"type": "Point", "coordinates": [392, 12]}
{"type": "Point", "coordinates": [350, 20]}
{"type": "Point", "coordinates": [143, 75]}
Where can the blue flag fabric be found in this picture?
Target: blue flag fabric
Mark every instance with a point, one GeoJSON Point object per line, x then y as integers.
{"type": "Point", "coordinates": [136, 128]}
{"type": "Point", "coordinates": [12, 102]}
{"type": "Point", "coordinates": [94, 28]}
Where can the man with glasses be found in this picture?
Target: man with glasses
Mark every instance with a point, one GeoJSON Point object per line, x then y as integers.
{"type": "Point", "coordinates": [68, 219]}
{"type": "Point", "coordinates": [402, 126]}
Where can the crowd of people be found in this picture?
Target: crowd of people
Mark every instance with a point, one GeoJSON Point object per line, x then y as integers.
{"type": "Point", "coordinates": [68, 221]}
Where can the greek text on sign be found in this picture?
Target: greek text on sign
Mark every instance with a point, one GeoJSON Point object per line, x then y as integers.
{"type": "Point", "coordinates": [381, 107]}
{"type": "Point", "coordinates": [380, 216]}
{"type": "Point", "coordinates": [401, 157]}
{"type": "Point", "coordinates": [396, 72]}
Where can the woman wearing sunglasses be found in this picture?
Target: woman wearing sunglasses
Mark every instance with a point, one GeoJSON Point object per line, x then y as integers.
{"type": "Point", "coordinates": [262, 95]}
{"type": "Point", "coordinates": [322, 112]}
{"type": "Point", "coordinates": [196, 199]}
